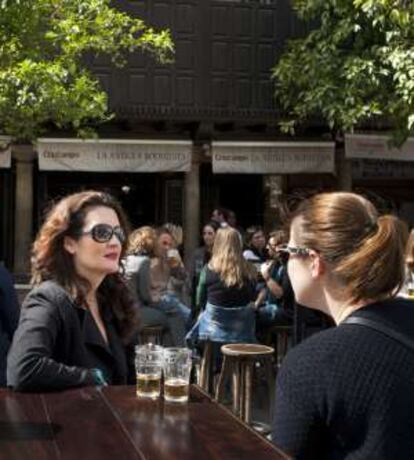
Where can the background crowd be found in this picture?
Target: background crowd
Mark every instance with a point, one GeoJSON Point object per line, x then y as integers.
{"type": "Point", "coordinates": [96, 286]}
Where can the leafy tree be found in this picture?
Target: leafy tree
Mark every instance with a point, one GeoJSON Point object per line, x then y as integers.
{"type": "Point", "coordinates": [43, 76]}
{"type": "Point", "coordinates": [356, 65]}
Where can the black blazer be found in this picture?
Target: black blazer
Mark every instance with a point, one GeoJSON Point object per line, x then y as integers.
{"type": "Point", "coordinates": [9, 317]}
{"type": "Point", "coordinates": [57, 343]}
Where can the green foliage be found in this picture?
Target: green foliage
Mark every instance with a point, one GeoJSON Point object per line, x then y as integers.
{"type": "Point", "coordinates": [356, 65]}
{"type": "Point", "coordinates": [43, 77]}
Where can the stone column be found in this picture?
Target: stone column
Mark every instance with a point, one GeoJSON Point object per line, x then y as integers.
{"type": "Point", "coordinates": [23, 217]}
{"type": "Point", "coordinates": [192, 207]}
{"type": "Point", "coordinates": [343, 167]}
{"type": "Point", "coordinates": [274, 186]}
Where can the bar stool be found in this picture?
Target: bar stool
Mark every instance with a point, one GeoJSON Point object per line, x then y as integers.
{"type": "Point", "coordinates": [238, 362]}
{"type": "Point", "coordinates": [205, 377]}
{"type": "Point", "coordinates": [151, 334]}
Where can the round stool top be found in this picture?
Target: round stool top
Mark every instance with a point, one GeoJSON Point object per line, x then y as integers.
{"type": "Point", "coordinates": [246, 349]}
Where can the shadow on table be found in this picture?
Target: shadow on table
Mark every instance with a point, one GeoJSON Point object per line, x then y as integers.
{"type": "Point", "coordinates": [27, 431]}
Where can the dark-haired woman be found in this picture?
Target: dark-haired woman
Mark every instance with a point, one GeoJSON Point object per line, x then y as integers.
{"type": "Point", "coordinates": [347, 392]}
{"type": "Point", "coordinates": [201, 256]}
{"type": "Point", "coordinates": [77, 320]}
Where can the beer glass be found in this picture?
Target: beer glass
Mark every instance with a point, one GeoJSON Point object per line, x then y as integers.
{"type": "Point", "coordinates": [173, 257]}
{"type": "Point", "coordinates": [410, 289]}
{"type": "Point", "coordinates": [148, 366]}
{"type": "Point", "coordinates": [177, 369]}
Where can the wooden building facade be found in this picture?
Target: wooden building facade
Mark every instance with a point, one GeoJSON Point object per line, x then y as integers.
{"type": "Point", "coordinates": [218, 97]}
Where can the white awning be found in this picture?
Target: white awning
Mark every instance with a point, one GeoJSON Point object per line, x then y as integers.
{"type": "Point", "coordinates": [5, 152]}
{"type": "Point", "coordinates": [114, 155]}
{"type": "Point", "coordinates": [273, 157]}
{"type": "Point", "coordinates": [377, 147]}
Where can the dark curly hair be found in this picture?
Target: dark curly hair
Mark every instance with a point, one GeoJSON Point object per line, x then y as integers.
{"type": "Point", "coordinates": [51, 261]}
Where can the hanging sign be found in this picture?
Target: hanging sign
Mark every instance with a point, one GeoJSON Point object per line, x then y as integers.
{"type": "Point", "coordinates": [273, 157]}
{"type": "Point", "coordinates": [113, 155]}
{"type": "Point", "coordinates": [5, 152]}
{"type": "Point", "coordinates": [382, 169]}
{"type": "Point", "coordinates": [377, 147]}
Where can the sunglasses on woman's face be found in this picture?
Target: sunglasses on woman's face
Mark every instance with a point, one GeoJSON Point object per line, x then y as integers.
{"type": "Point", "coordinates": [102, 233]}
{"type": "Point", "coordinates": [285, 251]}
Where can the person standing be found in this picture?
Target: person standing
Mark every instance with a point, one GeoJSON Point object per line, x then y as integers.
{"type": "Point", "coordinates": [201, 256]}
{"type": "Point", "coordinates": [347, 392]}
{"type": "Point", "coordinates": [76, 323]}
{"type": "Point", "coordinates": [9, 318]}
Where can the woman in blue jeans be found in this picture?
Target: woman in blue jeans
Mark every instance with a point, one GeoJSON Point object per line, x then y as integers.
{"type": "Point", "coordinates": [148, 274]}
{"type": "Point", "coordinates": [226, 293]}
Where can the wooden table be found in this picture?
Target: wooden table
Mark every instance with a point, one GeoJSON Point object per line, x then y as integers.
{"type": "Point", "coordinates": [112, 423]}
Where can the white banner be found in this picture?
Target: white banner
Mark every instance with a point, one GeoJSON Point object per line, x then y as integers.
{"type": "Point", "coordinates": [382, 169]}
{"type": "Point", "coordinates": [113, 155]}
{"type": "Point", "coordinates": [5, 152]}
{"type": "Point", "coordinates": [377, 147]}
{"type": "Point", "coordinates": [273, 157]}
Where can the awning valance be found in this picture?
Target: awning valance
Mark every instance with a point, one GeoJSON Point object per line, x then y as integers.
{"type": "Point", "coordinates": [5, 152]}
{"type": "Point", "coordinates": [273, 157]}
{"type": "Point", "coordinates": [377, 147]}
{"type": "Point", "coordinates": [114, 155]}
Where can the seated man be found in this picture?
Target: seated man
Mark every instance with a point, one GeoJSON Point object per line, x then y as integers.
{"type": "Point", "coordinates": [275, 302]}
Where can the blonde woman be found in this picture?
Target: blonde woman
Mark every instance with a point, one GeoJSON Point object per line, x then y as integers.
{"type": "Point", "coordinates": [226, 293]}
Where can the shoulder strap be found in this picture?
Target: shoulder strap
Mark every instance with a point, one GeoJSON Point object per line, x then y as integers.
{"type": "Point", "coordinates": [383, 328]}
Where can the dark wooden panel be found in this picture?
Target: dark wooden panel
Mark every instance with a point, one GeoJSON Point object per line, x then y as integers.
{"type": "Point", "coordinates": [200, 430]}
{"type": "Point", "coordinates": [185, 91]}
{"type": "Point", "coordinates": [218, 44]}
{"type": "Point", "coordinates": [244, 93]}
{"type": "Point", "coordinates": [266, 23]}
{"type": "Point", "coordinates": [89, 429]}
{"type": "Point", "coordinates": [162, 90]}
{"type": "Point", "coordinates": [242, 58]}
{"type": "Point", "coordinates": [243, 22]}
{"type": "Point", "coordinates": [161, 14]}
{"type": "Point", "coordinates": [186, 55]}
{"type": "Point", "coordinates": [138, 89]}
{"type": "Point", "coordinates": [221, 21]}
{"type": "Point", "coordinates": [186, 20]}
{"type": "Point", "coordinates": [220, 56]}
{"type": "Point", "coordinates": [25, 431]}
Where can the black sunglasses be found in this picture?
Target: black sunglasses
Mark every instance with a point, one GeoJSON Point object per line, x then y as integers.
{"type": "Point", "coordinates": [102, 233]}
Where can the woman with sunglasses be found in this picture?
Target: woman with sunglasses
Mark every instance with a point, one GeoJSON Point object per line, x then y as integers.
{"type": "Point", "coordinates": [77, 320]}
{"type": "Point", "coordinates": [347, 392]}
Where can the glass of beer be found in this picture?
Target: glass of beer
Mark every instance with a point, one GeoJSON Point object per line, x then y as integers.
{"type": "Point", "coordinates": [148, 366]}
{"type": "Point", "coordinates": [410, 290]}
{"type": "Point", "coordinates": [177, 369]}
{"type": "Point", "coordinates": [173, 257]}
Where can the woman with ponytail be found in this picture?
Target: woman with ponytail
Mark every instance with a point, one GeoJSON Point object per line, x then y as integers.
{"type": "Point", "coordinates": [347, 392]}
